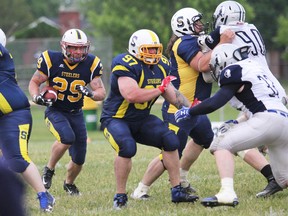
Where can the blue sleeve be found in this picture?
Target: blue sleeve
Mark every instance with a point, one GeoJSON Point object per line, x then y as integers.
{"type": "Point", "coordinates": [218, 100]}
{"type": "Point", "coordinates": [188, 48]}
{"type": "Point", "coordinates": [213, 39]}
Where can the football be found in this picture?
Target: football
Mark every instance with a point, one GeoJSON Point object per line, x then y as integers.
{"type": "Point", "coordinates": [49, 92]}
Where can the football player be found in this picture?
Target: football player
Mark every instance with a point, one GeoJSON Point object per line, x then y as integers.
{"type": "Point", "coordinates": [68, 72]}
{"type": "Point", "coordinates": [231, 15]}
{"type": "Point", "coordinates": [187, 64]}
{"type": "Point", "coordinates": [15, 128]}
{"type": "Point", "coordinates": [241, 77]}
{"type": "Point", "coordinates": [138, 78]}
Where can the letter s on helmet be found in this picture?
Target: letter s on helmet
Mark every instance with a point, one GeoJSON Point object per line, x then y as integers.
{"type": "Point", "coordinates": [139, 44]}
{"type": "Point", "coordinates": [184, 20]}
{"type": "Point", "coordinates": [77, 39]}
{"type": "Point", "coordinates": [228, 13]}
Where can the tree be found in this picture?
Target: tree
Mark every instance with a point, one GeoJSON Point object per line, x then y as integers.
{"type": "Point", "coordinates": [120, 19]}
{"type": "Point", "coordinates": [12, 17]}
{"type": "Point", "coordinates": [44, 8]}
{"type": "Point", "coordinates": [266, 15]}
{"type": "Point", "coordinates": [281, 38]}
{"type": "Point", "coordinates": [17, 14]}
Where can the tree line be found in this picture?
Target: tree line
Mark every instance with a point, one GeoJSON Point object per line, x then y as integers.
{"type": "Point", "coordinates": [119, 19]}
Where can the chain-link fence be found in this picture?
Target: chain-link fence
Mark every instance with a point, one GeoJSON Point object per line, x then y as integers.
{"type": "Point", "coordinates": [25, 54]}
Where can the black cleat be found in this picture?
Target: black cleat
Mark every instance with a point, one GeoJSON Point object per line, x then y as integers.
{"type": "Point", "coordinates": [47, 177]}
{"type": "Point", "coordinates": [120, 201]}
{"type": "Point", "coordinates": [178, 194]}
{"type": "Point", "coordinates": [270, 189]}
{"type": "Point", "coordinates": [213, 202]}
{"type": "Point", "coordinates": [71, 189]}
{"type": "Point", "coordinates": [189, 189]}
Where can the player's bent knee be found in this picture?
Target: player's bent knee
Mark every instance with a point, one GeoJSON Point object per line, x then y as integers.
{"type": "Point", "coordinates": [79, 158]}
{"type": "Point", "coordinates": [67, 138]}
{"type": "Point", "coordinates": [170, 141]}
{"type": "Point", "coordinates": [219, 144]}
{"type": "Point", "coordinates": [128, 150]}
{"type": "Point", "coordinates": [206, 143]}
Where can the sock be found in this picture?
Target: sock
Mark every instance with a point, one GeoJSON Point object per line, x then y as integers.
{"type": "Point", "coordinates": [183, 175]}
{"type": "Point", "coordinates": [266, 171]}
{"type": "Point", "coordinates": [227, 184]}
{"type": "Point", "coordinates": [143, 188]}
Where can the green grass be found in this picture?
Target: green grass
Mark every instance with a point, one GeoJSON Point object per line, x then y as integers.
{"type": "Point", "coordinates": [97, 184]}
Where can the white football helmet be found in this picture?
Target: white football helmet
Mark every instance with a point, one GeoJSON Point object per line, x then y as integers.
{"type": "Point", "coordinates": [139, 44]}
{"type": "Point", "coordinates": [75, 45]}
{"type": "Point", "coordinates": [228, 13]}
{"type": "Point", "coordinates": [2, 38]}
{"type": "Point", "coordinates": [224, 55]}
{"type": "Point", "coordinates": [184, 22]}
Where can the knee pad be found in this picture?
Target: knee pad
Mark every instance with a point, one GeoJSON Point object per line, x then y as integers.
{"type": "Point", "coordinates": [78, 156]}
{"type": "Point", "coordinates": [170, 141]}
{"type": "Point", "coordinates": [208, 142]}
{"type": "Point", "coordinates": [205, 140]}
{"type": "Point", "coordinates": [220, 143]}
{"type": "Point", "coordinates": [215, 144]}
{"type": "Point", "coordinates": [127, 148]}
{"type": "Point", "coordinates": [67, 136]}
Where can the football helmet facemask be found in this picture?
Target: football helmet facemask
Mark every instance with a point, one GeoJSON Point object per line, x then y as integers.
{"type": "Point", "coordinates": [144, 44]}
{"type": "Point", "coordinates": [75, 45]}
{"type": "Point", "coordinates": [187, 21]}
{"type": "Point", "coordinates": [224, 55]}
{"type": "Point", "coordinates": [2, 38]}
{"type": "Point", "coordinates": [228, 13]}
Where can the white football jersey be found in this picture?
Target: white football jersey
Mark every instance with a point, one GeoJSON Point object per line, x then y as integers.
{"type": "Point", "coordinates": [259, 93]}
{"type": "Point", "coordinates": [248, 34]}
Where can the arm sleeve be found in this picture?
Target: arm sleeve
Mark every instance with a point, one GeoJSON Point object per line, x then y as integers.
{"type": "Point", "coordinates": [213, 39]}
{"type": "Point", "coordinates": [218, 100]}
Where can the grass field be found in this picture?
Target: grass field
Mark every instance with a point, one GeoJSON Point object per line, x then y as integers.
{"type": "Point", "coordinates": [97, 184]}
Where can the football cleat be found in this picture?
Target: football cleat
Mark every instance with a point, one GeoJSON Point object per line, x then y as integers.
{"type": "Point", "coordinates": [71, 189]}
{"type": "Point", "coordinates": [47, 201]}
{"type": "Point", "coordinates": [47, 177]}
{"type": "Point", "coordinates": [188, 189]}
{"type": "Point", "coordinates": [213, 202]}
{"type": "Point", "coordinates": [270, 189]}
{"type": "Point", "coordinates": [179, 195]}
{"type": "Point", "coordinates": [120, 201]}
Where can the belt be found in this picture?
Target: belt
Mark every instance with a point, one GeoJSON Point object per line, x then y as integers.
{"type": "Point", "coordinates": [282, 113]}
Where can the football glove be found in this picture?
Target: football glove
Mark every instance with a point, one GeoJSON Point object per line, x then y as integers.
{"type": "Point", "coordinates": [40, 100]}
{"type": "Point", "coordinates": [84, 90]}
{"type": "Point", "coordinates": [226, 126]}
{"type": "Point", "coordinates": [165, 83]}
{"type": "Point", "coordinates": [182, 114]}
{"type": "Point", "coordinates": [202, 43]}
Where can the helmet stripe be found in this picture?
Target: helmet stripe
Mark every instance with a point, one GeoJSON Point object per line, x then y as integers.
{"type": "Point", "coordinates": [153, 36]}
{"type": "Point", "coordinates": [78, 34]}
{"type": "Point", "coordinates": [241, 14]}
